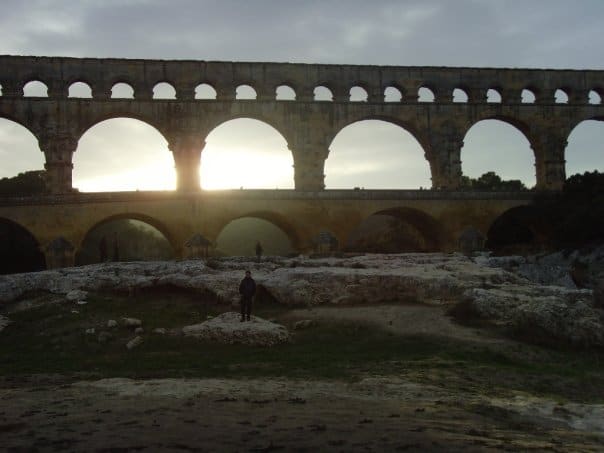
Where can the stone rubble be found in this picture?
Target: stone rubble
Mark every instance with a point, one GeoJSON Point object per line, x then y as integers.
{"type": "Point", "coordinates": [136, 341]}
{"type": "Point", "coordinates": [228, 328]}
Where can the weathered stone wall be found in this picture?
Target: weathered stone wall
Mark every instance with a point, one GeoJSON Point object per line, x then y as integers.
{"type": "Point", "coordinates": [308, 126]}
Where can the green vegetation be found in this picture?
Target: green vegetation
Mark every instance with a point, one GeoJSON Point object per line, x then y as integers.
{"type": "Point", "coordinates": [52, 339]}
{"type": "Point", "coordinates": [491, 182]}
{"type": "Point", "coordinates": [24, 184]}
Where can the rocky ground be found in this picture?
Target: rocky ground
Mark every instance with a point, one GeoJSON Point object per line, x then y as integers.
{"type": "Point", "coordinates": [514, 396]}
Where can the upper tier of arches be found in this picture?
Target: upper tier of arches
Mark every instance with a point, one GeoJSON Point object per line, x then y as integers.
{"type": "Point", "coordinates": [56, 77]}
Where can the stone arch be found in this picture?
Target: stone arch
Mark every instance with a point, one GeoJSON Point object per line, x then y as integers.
{"type": "Point", "coordinates": [518, 230]}
{"type": "Point", "coordinates": [460, 95]}
{"type": "Point", "coordinates": [580, 154]}
{"type": "Point", "coordinates": [278, 220]}
{"type": "Point", "coordinates": [245, 91]}
{"type": "Point", "coordinates": [425, 94]}
{"type": "Point", "coordinates": [562, 95]}
{"type": "Point", "coordinates": [270, 168]}
{"type": "Point", "coordinates": [35, 88]}
{"type": "Point", "coordinates": [285, 92]}
{"type": "Point", "coordinates": [164, 90]}
{"type": "Point", "coordinates": [487, 140]}
{"type": "Point", "coordinates": [528, 96]}
{"type": "Point", "coordinates": [353, 154]}
{"type": "Point", "coordinates": [19, 248]}
{"type": "Point", "coordinates": [15, 134]}
{"type": "Point", "coordinates": [144, 218]}
{"type": "Point", "coordinates": [595, 97]}
{"type": "Point", "coordinates": [411, 230]}
{"type": "Point", "coordinates": [358, 93]}
{"type": "Point", "coordinates": [79, 89]}
{"type": "Point", "coordinates": [323, 93]}
{"type": "Point", "coordinates": [393, 93]}
{"type": "Point", "coordinates": [148, 149]}
{"type": "Point", "coordinates": [205, 90]}
{"type": "Point", "coordinates": [122, 90]}
{"type": "Point", "coordinates": [494, 95]}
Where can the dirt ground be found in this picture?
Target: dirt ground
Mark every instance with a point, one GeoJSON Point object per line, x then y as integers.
{"type": "Point", "coordinates": [378, 413]}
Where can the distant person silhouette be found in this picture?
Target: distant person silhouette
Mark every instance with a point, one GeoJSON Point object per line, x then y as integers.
{"type": "Point", "coordinates": [103, 249]}
{"type": "Point", "coordinates": [258, 251]}
{"type": "Point", "coordinates": [247, 289]}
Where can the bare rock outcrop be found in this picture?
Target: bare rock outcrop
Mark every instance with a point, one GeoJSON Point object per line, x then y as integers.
{"type": "Point", "coordinates": [227, 328]}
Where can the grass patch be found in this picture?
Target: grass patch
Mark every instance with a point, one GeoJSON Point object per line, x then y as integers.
{"type": "Point", "coordinates": [52, 339]}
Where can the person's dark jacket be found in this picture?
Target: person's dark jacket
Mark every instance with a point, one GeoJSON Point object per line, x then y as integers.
{"type": "Point", "coordinates": [247, 287]}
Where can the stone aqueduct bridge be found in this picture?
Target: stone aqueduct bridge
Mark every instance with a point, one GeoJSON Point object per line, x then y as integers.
{"type": "Point", "coordinates": [308, 126]}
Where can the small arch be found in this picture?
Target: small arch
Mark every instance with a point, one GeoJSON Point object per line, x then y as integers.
{"type": "Point", "coordinates": [19, 249]}
{"type": "Point", "coordinates": [285, 93]}
{"type": "Point", "coordinates": [493, 96]}
{"type": "Point", "coordinates": [594, 97]}
{"type": "Point", "coordinates": [396, 230]}
{"type": "Point", "coordinates": [36, 89]}
{"type": "Point", "coordinates": [240, 236]}
{"type": "Point", "coordinates": [122, 90]}
{"type": "Point", "coordinates": [205, 91]}
{"type": "Point", "coordinates": [125, 237]}
{"type": "Point", "coordinates": [527, 96]}
{"type": "Point", "coordinates": [164, 90]}
{"type": "Point", "coordinates": [79, 90]}
{"type": "Point", "coordinates": [392, 94]}
{"type": "Point", "coordinates": [245, 92]}
{"type": "Point", "coordinates": [1, 94]}
{"type": "Point", "coordinates": [518, 230]}
{"type": "Point", "coordinates": [561, 96]}
{"type": "Point", "coordinates": [358, 94]}
{"type": "Point", "coordinates": [322, 93]}
{"type": "Point", "coordinates": [425, 94]}
{"type": "Point", "coordinates": [460, 95]}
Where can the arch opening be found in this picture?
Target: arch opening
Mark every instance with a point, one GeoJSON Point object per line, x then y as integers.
{"type": "Point", "coordinates": [425, 94]}
{"type": "Point", "coordinates": [285, 93]}
{"type": "Point", "coordinates": [392, 94]}
{"type": "Point", "coordinates": [594, 97]}
{"type": "Point", "coordinates": [494, 145]}
{"type": "Point", "coordinates": [205, 91]}
{"type": "Point", "coordinates": [460, 95]}
{"type": "Point", "coordinates": [79, 90]}
{"type": "Point", "coordinates": [164, 90]}
{"type": "Point", "coordinates": [122, 90]}
{"type": "Point", "coordinates": [123, 154]}
{"type": "Point", "coordinates": [19, 150]}
{"type": "Point", "coordinates": [376, 154]}
{"type": "Point", "coordinates": [527, 96]}
{"type": "Point", "coordinates": [245, 92]}
{"type": "Point", "coordinates": [585, 149]}
{"type": "Point", "coordinates": [124, 239]}
{"type": "Point", "coordinates": [240, 236]}
{"type": "Point", "coordinates": [35, 89]}
{"type": "Point", "coordinates": [561, 96]}
{"type": "Point", "coordinates": [493, 96]}
{"type": "Point", "coordinates": [397, 230]}
{"type": "Point", "coordinates": [246, 153]}
{"type": "Point", "coordinates": [516, 231]}
{"type": "Point", "coordinates": [322, 93]}
{"type": "Point", "coordinates": [358, 94]}
{"type": "Point", "coordinates": [19, 249]}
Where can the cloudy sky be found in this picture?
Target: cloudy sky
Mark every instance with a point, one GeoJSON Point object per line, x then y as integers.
{"type": "Point", "coordinates": [120, 154]}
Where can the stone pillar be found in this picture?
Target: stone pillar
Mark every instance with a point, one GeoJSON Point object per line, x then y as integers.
{"type": "Point", "coordinates": [549, 146]}
{"type": "Point", "coordinates": [445, 158]}
{"type": "Point", "coordinates": [186, 148]}
{"type": "Point", "coordinates": [59, 253]}
{"type": "Point", "coordinates": [58, 149]}
{"type": "Point", "coordinates": [309, 166]}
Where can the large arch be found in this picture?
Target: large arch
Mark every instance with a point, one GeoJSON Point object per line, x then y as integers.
{"type": "Point", "coordinates": [376, 154]}
{"type": "Point", "coordinates": [397, 230]}
{"type": "Point", "coordinates": [581, 155]}
{"type": "Point", "coordinates": [518, 230]}
{"type": "Point", "coordinates": [132, 236]}
{"type": "Point", "coordinates": [499, 145]}
{"type": "Point", "coordinates": [123, 154]}
{"type": "Point", "coordinates": [19, 149]}
{"type": "Point", "coordinates": [19, 249]}
{"type": "Point", "coordinates": [246, 152]}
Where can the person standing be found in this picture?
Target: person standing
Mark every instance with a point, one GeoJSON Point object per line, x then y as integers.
{"type": "Point", "coordinates": [247, 289]}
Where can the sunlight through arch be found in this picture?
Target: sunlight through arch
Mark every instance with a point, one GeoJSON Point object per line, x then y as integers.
{"type": "Point", "coordinates": [246, 153]}
{"type": "Point", "coordinates": [585, 149]}
{"type": "Point", "coordinates": [494, 145]}
{"type": "Point", "coordinates": [19, 150]}
{"type": "Point", "coordinates": [376, 154]}
{"type": "Point", "coordinates": [123, 154]}
{"type": "Point", "coordinates": [239, 238]}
